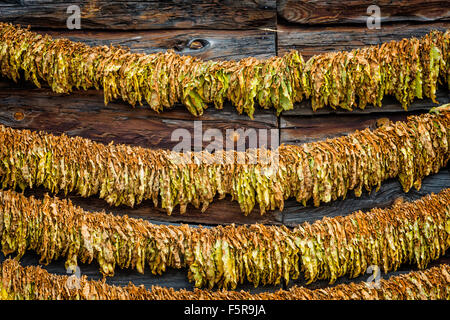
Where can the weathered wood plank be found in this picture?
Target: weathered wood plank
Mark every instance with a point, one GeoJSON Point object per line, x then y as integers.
{"type": "Point", "coordinates": [84, 114]}
{"type": "Point", "coordinates": [390, 105]}
{"type": "Point", "coordinates": [317, 40]}
{"type": "Point", "coordinates": [24, 106]}
{"type": "Point", "coordinates": [294, 213]}
{"type": "Point", "coordinates": [302, 129]}
{"type": "Point", "coordinates": [219, 212]}
{"type": "Point", "coordinates": [355, 11]}
{"type": "Point", "coordinates": [143, 14]}
{"type": "Point", "coordinates": [205, 44]}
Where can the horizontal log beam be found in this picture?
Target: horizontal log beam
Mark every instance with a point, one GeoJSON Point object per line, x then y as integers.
{"type": "Point", "coordinates": [248, 24]}
{"type": "Point", "coordinates": [318, 40]}
{"type": "Point", "coordinates": [302, 129]}
{"type": "Point", "coordinates": [205, 44]}
{"type": "Point", "coordinates": [142, 15]}
{"type": "Point", "coordinates": [355, 11]}
{"type": "Point", "coordinates": [84, 114]}
{"type": "Point", "coordinates": [219, 212]}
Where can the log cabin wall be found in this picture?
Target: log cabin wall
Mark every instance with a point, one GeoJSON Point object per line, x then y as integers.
{"type": "Point", "coordinates": [216, 30]}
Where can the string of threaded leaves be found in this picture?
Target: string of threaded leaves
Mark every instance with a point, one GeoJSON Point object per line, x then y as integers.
{"type": "Point", "coordinates": [406, 69]}
{"type": "Point", "coordinates": [321, 171]}
{"type": "Point", "coordinates": [225, 256]}
{"type": "Point", "coordinates": [35, 283]}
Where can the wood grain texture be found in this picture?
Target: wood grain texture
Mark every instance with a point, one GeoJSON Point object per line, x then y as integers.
{"type": "Point", "coordinates": [220, 212]}
{"type": "Point", "coordinates": [225, 211]}
{"type": "Point", "coordinates": [205, 44]}
{"type": "Point", "coordinates": [355, 11]}
{"type": "Point", "coordinates": [84, 114]}
{"type": "Point", "coordinates": [318, 40]}
{"type": "Point", "coordinates": [302, 129]}
{"type": "Point", "coordinates": [143, 14]}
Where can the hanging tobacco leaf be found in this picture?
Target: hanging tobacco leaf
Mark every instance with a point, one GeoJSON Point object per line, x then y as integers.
{"type": "Point", "coordinates": [406, 69]}
{"type": "Point", "coordinates": [225, 256]}
{"type": "Point", "coordinates": [322, 171]}
{"type": "Point", "coordinates": [35, 283]}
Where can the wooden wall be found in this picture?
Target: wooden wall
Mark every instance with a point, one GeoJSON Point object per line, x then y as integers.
{"type": "Point", "coordinates": [216, 30]}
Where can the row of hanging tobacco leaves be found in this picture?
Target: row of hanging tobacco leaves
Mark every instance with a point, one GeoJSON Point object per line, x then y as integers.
{"type": "Point", "coordinates": [406, 69]}
{"type": "Point", "coordinates": [224, 256]}
{"type": "Point", "coordinates": [319, 171]}
{"type": "Point", "coordinates": [35, 283]}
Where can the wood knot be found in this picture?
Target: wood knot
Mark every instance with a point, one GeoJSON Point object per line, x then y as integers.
{"type": "Point", "coordinates": [19, 116]}
{"type": "Point", "coordinates": [197, 44]}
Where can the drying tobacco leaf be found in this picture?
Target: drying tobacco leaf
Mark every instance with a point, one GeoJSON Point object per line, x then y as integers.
{"type": "Point", "coordinates": [225, 256]}
{"type": "Point", "coordinates": [34, 283]}
{"type": "Point", "coordinates": [321, 171]}
{"type": "Point", "coordinates": [405, 69]}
